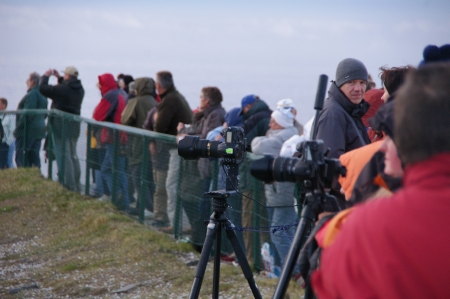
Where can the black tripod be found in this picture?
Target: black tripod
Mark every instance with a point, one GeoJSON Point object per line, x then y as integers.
{"type": "Point", "coordinates": [217, 221]}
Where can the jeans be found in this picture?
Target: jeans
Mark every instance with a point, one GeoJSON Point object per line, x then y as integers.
{"type": "Point", "coordinates": [72, 172]}
{"type": "Point", "coordinates": [107, 175]}
{"type": "Point", "coordinates": [100, 185]}
{"type": "Point", "coordinates": [11, 152]}
{"type": "Point", "coordinates": [29, 156]}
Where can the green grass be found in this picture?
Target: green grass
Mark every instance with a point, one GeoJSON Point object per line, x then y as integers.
{"type": "Point", "coordinates": [88, 248]}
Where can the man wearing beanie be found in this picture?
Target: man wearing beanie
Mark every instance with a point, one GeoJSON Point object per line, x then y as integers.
{"type": "Point", "coordinates": [340, 125]}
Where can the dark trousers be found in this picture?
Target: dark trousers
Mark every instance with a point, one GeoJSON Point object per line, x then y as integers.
{"type": "Point", "coordinates": [28, 156]}
{"type": "Point", "coordinates": [4, 148]}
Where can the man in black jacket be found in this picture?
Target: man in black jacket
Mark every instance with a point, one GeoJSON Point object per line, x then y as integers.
{"type": "Point", "coordinates": [67, 96]}
{"type": "Point", "coordinates": [340, 125]}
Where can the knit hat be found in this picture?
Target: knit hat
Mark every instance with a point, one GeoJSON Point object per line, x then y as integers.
{"type": "Point", "coordinates": [432, 53]}
{"type": "Point", "coordinates": [232, 117]}
{"type": "Point", "coordinates": [283, 119]}
{"type": "Point", "coordinates": [286, 106]}
{"type": "Point", "coordinates": [250, 99]}
{"type": "Point", "coordinates": [71, 70]}
{"type": "Point", "coordinates": [350, 69]}
{"type": "Point", "coordinates": [384, 119]}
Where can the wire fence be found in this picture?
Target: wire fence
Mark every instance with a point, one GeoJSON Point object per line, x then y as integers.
{"type": "Point", "coordinates": [140, 172]}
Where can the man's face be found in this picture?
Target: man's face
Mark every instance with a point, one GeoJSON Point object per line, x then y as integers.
{"type": "Point", "coordinates": [354, 90]}
{"type": "Point", "coordinates": [204, 102]}
{"type": "Point", "coordinates": [29, 83]}
{"type": "Point", "coordinates": [159, 88]}
{"type": "Point", "coordinates": [246, 108]}
{"type": "Point", "coordinates": [2, 106]}
{"type": "Point", "coordinates": [273, 125]}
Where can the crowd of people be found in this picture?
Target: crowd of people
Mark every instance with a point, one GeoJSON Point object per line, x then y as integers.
{"type": "Point", "coordinates": [393, 140]}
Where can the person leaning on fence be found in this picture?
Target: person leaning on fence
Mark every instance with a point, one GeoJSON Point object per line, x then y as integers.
{"type": "Point", "coordinates": [395, 247]}
{"type": "Point", "coordinates": [134, 115]}
{"type": "Point", "coordinates": [8, 125]}
{"type": "Point", "coordinates": [110, 110]}
{"type": "Point", "coordinates": [66, 96]}
{"type": "Point", "coordinates": [30, 128]}
{"type": "Point", "coordinates": [256, 116]}
{"type": "Point", "coordinates": [279, 193]}
{"type": "Point", "coordinates": [172, 110]}
{"type": "Point", "coordinates": [210, 115]}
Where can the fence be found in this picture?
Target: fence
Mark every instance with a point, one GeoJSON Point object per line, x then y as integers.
{"type": "Point", "coordinates": [135, 169]}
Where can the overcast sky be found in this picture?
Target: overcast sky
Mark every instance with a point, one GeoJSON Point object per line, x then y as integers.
{"type": "Point", "coordinates": [275, 49]}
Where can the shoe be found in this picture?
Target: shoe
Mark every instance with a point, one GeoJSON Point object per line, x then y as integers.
{"type": "Point", "coordinates": [149, 215]}
{"type": "Point", "coordinates": [132, 211]}
{"type": "Point", "coordinates": [105, 198]}
{"type": "Point", "coordinates": [160, 224]}
{"type": "Point", "coordinates": [166, 229]}
{"type": "Point", "coordinates": [227, 258]}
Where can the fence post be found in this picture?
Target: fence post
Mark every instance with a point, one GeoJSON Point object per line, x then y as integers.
{"type": "Point", "coordinates": [114, 168]}
{"type": "Point", "coordinates": [178, 205]}
{"type": "Point", "coordinates": [25, 137]}
{"type": "Point", "coordinates": [257, 222]}
{"type": "Point", "coordinates": [49, 144]}
{"type": "Point", "coordinates": [62, 151]}
{"type": "Point", "coordinates": [88, 159]}
{"type": "Point", "coordinates": [143, 181]}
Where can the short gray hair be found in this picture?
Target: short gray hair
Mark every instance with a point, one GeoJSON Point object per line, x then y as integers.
{"type": "Point", "coordinates": [164, 78]}
{"type": "Point", "coordinates": [34, 77]}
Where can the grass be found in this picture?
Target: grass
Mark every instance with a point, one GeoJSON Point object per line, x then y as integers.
{"type": "Point", "coordinates": [74, 246]}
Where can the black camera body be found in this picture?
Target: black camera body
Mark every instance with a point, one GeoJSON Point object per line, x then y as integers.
{"type": "Point", "coordinates": [232, 151]}
{"type": "Point", "coordinates": [312, 167]}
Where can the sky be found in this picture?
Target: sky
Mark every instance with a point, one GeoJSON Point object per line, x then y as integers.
{"type": "Point", "coordinates": [274, 49]}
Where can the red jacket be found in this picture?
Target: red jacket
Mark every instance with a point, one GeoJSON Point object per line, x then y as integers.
{"type": "Point", "coordinates": [111, 105]}
{"type": "Point", "coordinates": [394, 247]}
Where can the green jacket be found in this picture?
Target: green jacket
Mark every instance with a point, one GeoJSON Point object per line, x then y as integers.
{"type": "Point", "coordinates": [35, 123]}
{"type": "Point", "coordinates": [135, 114]}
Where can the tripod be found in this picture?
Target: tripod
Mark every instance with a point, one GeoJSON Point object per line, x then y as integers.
{"type": "Point", "coordinates": [217, 221]}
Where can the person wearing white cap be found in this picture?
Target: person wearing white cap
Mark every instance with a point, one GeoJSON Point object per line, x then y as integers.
{"type": "Point", "coordinates": [280, 193]}
{"type": "Point", "coordinates": [66, 96]}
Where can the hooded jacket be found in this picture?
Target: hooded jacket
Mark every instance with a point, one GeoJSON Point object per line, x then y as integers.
{"type": "Point", "coordinates": [340, 125]}
{"type": "Point", "coordinates": [135, 114]}
{"type": "Point", "coordinates": [137, 108]}
{"type": "Point", "coordinates": [256, 120]}
{"type": "Point", "coordinates": [111, 105]}
{"type": "Point", "coordinates": [67, 96]}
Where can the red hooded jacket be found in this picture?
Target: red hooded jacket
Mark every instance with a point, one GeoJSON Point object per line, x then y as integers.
{"type": "Point", "coordinates": [111, 105]}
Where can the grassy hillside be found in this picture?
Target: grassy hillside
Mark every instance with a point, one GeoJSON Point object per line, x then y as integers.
{"type": "Point", "coordinates": [56, 244]}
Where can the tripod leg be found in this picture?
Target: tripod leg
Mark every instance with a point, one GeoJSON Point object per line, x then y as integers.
{"type": "Point", "coordinates": [213, 226]}
{"type": "Point", "coordinates": [216, 275]}
{"type": "Point", "coordinates": [231, 235]}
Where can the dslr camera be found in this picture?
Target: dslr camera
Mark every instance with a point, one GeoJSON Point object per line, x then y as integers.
{"type": "Point", "coordinates": [232, 150]}
{"type": "Point", "coordinates": [312, 167]}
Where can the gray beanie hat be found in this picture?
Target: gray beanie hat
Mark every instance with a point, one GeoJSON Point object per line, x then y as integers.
{"type": "Point", "coordinates": [350, 69]}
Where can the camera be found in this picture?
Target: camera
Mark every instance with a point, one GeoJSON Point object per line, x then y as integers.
{"type": "Point", "coordinates": [311, 168]}
{"type": "Point", "coordinates": [232, 150]}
